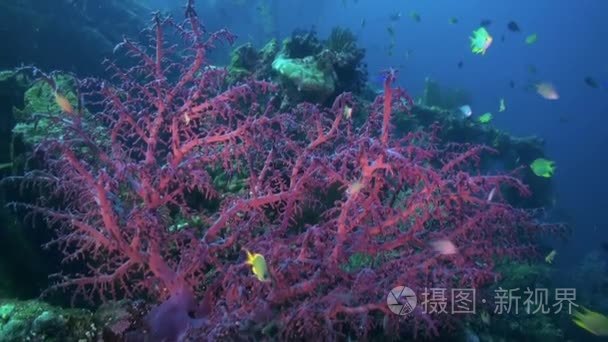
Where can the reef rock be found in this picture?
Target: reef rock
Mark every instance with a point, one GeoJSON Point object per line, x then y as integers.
{"type": "Point", "coordinates": [306, 77]}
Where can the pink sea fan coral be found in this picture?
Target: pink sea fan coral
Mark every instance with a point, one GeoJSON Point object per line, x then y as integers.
{"type": "Point", "coordinates": [165, 173]}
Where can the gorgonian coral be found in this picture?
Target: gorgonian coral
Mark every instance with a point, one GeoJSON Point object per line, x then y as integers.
{"type": "Point", "coordinates": [341, 213]}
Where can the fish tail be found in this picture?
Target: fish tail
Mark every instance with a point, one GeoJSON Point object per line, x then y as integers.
{"type": "Point", "coordinates": [578, 322]}
{"type": "Point", "coordinates": [249, 256]}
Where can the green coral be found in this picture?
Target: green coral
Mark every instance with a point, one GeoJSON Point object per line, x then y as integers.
{"type": "Point", "coordinates": [536, 327]}
{"type": "Point", "coordinates": [20, 80]}
{"type": "Point", "coordinates": [37, 321]}
{"type": "Point", "coordinates": [40, 99]}
{"type": "Point", "coordinates": [269, 51]}
{"type": "Point", "coordinates": [246, 61]}
{"type": "Point", "coordinates": [518, 275]}
{"type": "Point", "coordinates": [341, 40]}
{"type": "Point", "coordinates": [358, 261]}
{"type": "Point", "coordinates": [513, 151]}
{"type": "Point", "coordinates": [5, 75]}
{"type": "Point", "coordinates": [305, 74]}
{"type": "Point", "coordinates": [446, 98]}
{"type": "Point", "coordinates": [302, 44]}
{"type": "Point", "coordinates": [513, 326]}
{"type": "Point", "coordinates": [243, 61]}
{"type": "Point", "coordinates": [6, 312]}
{"type": "Point", "coordinates": [182, 222]}
{"type": "Point", "coordinates": [38, 119]}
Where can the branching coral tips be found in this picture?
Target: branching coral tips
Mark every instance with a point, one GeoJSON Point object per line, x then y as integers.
{"type": "Point", "coordinates": [481, 41]}
{"type": "Point", "coordinates": [258, 266]}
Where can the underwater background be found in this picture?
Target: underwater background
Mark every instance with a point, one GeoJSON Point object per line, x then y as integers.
{"type": "Point", "coordinates": [567, 51]}
{"type": "Point", "coordinates": [428, 43]}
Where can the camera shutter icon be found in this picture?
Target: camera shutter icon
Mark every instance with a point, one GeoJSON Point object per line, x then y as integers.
{"type": "Point", "coordinates": [401, 300]}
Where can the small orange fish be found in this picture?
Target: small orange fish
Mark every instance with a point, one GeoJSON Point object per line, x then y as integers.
{"type": "Point", "coordinates": [63, 103]}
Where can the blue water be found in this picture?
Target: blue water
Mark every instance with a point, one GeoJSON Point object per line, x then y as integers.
{"type": "Point", "coordinates": [571, 46]}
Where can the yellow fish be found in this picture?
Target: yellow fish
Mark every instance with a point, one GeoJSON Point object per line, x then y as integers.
{"type": "Point", "coordinates": [593, 322]}
{"type": "Point", "coordinates": [258, 266]}
{"type": "Point", "coordinates": [543, 167]}
{"type": "Point", "coordinates": [549, 258]}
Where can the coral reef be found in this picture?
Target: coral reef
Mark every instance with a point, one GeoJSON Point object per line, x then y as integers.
{"type": "Point", "coordinates": [534, 326]}
{"type": "Point", "coordinates": [347, 60]}
{"type": "Point", "coordinates": [305, 76]}
{"type": "Point", "coordinates": [132, 186]}
{"type": "Point", "coordinates": [307, 68]}
{"type": "Point", "coordinates": [25, 278]}
{"type": "Point", "coordinates": [34, 120]}
{"type": "Point", "coordinates": [339, 56]}
{"type": "Point", "coordinates": [435, 96]}
{"type": "Point", "coordinates": [34, 320]}
{"type": "Point", "coordinates": [243, 62]}
{"type": "Point", "coordinates": [303, 79]}
{"type": "Point", "coordinates": [437, 106]}
{"type": "Point", "coordinates": [301, 44]}
{"type": "Point", "coordinates": [37, 321]}
{"type": "Point", "coordinates": [247, 62]}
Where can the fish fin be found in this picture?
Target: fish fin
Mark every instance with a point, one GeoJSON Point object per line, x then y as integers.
{"type": "Point", "coordinates": [250, 257]}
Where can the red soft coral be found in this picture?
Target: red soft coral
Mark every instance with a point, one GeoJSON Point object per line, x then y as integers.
{"type": "Point", "coordinates": [141, 172]}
